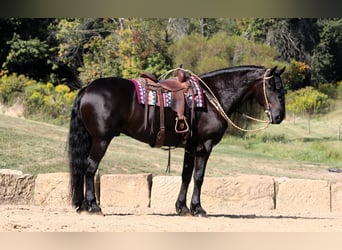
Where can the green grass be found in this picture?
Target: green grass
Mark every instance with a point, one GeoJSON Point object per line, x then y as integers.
{"type": "Point", "coordinates": [281, 150]}
{"type": "Point", "coordinates": [32, 147]}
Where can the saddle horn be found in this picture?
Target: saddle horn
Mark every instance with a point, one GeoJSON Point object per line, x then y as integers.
{"type": "Point", "coordinates": [180, 74]}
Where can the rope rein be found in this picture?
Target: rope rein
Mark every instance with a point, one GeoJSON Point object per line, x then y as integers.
{"type": "Point", "coordinates": [215, 102]}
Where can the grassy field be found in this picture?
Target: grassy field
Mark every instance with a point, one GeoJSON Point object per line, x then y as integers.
{"type": "Point", "coordinates": [281, 150]}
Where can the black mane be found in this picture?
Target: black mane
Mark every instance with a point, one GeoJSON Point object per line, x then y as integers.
{"type": "Point", "coordinates": [230, 70]}
{"type": "Point", "coordinates": [250, 106]}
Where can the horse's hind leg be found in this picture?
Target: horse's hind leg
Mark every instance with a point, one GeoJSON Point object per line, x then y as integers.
{"type": "Point", "coordinates": [97, 151]}
{"type": "Point", "coordinates": [188, 167]}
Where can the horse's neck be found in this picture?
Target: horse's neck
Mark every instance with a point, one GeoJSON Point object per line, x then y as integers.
{"type": "Point", "coordinates": [231, 95]}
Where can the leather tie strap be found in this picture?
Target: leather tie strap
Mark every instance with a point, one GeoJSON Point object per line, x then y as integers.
{"type": "Point", "coordinates": [161, 133]}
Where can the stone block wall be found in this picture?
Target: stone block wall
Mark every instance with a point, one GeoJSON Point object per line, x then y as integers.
{"type": "Point", "coordinates": [15, 187]}
{"type": "Point", "coordinates": [221, 195]}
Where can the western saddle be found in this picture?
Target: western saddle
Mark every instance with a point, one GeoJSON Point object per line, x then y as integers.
{"type": "Point", "coordinates": [179, 86]}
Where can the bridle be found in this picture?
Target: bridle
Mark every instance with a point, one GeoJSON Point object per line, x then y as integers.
{"type": "Point", "coordinates": [215, 102]}
{"type": "Point", "coordinates": [267, 110]}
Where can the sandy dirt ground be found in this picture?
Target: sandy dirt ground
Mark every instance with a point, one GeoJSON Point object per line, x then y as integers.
{"type": "Point", "coordinates": [19, 218]}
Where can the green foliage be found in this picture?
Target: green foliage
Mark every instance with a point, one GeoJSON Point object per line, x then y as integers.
{"type": "Point", "coordinates": [70, 40]}
{"type": "Point", "coordinates": [307, 100]}
{"type": "Point", "coordinates": [54, 103]}
{"type": "Point", "coordinates": [327, 59]}
{"type": "Point", "coordinates": [293, 38]}
{"type": "Point", "coordinates": [41, 101]}
{"type": "Point", "coordinates": [101, 47]}
{"type": "Point", "coordinates": [25, 51]}
{"type": "Point", "coordinates": [136, 52]}
{"type": "Point", "coordinates": [331, 90]}
{"type": "Point", "coordinates": [339, 89]}
{"type": "Point", "coordinates": [100, 58]}
{"type": "Point", "coordinates": [12, 86]}
{"type": "Point", "coordinates": [202, 55]}
{"type": "Point", "coordinates": [30, 57]}
{"type": "Point", "coordinates": [256, 28]}
{"type": "Point", "coordinates": [295, 75]}
{"type": "Point", "coordinates": [188, 50]}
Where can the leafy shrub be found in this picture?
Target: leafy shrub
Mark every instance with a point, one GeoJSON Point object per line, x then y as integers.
{"type": "Point", "coordinates": [339, 89]}
{"type": "Point", "coordinates": [295, 75]}
{"type": "Point", "coordinates": [328, 89]}
{"type": "Point", "coordinates": [11, 86]}
{"type": "Point", "coordinates": [307, 100]}
{"type": "Point", "coordinates": [42, 101]}
{"type": "Point", "coordinates": [202, 55]}
{"type": "Point", "coordinates": [50, 102]}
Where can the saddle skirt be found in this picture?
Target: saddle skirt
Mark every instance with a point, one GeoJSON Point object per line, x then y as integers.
{"type": "Point", "coordinates": [150, 97]}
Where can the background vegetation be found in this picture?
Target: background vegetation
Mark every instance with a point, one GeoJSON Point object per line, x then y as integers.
{"type": "Point", "coordinates": [43, 63]}
{"type": "Point", "coordinates": [37, 55]}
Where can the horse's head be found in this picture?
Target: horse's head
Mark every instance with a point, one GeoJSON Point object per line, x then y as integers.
{"type": "Point", "coordinates": [273, 95]}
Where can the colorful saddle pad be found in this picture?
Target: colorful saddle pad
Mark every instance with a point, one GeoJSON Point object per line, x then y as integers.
{"type": "Point", "coordinates": [150, 96]}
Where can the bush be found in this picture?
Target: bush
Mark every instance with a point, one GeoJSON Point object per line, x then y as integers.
{"type": "Point", "coordinates": [42, 101]}
{"type": "Point", "coordinates": [307, 100]}
{"type": "Point", "coordinates": [11, 86]}
{"type": "Point", "coordinates": [339, 89]}
{"type": "Point", "coordinates": [328, 89]}
{"type": "Point", "coordinates": [202, 55]}
{"type": "Point", "coordinates": [50, 102]}
{"type": "Point", "coordinates": [295, 75]}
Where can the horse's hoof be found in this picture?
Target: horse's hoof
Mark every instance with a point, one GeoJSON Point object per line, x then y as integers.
{"type": "Point", "coordinates": [96, 210]}
{"type": "Point", "coordinates": [87, 212]}
{"type": "Point", "coordinates": [203, 215]}
{"type": "Point", "coordinates": [83, 212]}
{"type": "Point", "coordinates": [184, 211]}
{"type": "Point", "coordinates": [199, 213]}
{"type": "Point", "coordinates": [80, 210]}
{"type": "Point", "coordinates": [97, 213]}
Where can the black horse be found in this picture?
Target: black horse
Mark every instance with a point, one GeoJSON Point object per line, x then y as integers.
{"type": "Point", "coordinates": [108, 107]}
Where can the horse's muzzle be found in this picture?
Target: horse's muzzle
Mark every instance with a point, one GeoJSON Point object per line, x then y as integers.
{"type": "Point", "coordinates": [275, 118]}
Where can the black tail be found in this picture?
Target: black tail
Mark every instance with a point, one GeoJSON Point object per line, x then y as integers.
{"type": "Point", "coordinates": [78, 150]}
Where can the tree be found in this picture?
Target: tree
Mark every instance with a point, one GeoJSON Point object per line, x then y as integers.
{"type": "Point", "coordinates": [143, 47]}
{"type": "Point", "coordinates": [188, 50]}
{"type": "Point", "coordinates": [256, 29]}
{"type": "Point", "coordinates": [202, 55]}
{"type": "Point", "coordinates": [307, 100]}
{"type": "Point", "coordinates": [296, 75]}
{"type": "Point", "coordinates": [327, 55]}
{"type": "Point", "coordinates": [100, 58]}
{"type": "Point", "coordinates": [27, 48]}
{"type": "Point", "coordinates": [294, 38]}
{"type": "Point", "coordinates": [30, 57]}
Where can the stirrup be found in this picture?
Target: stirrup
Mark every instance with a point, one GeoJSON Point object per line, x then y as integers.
{"type": "Point", "coordinates": [186, 126]}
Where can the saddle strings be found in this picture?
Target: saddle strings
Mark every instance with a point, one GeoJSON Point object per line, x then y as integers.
{"type": "Point", "coordinates": [215, 102]}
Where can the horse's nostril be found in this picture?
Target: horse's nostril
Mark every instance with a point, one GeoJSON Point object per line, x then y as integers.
{"type": "Point", "coordinates": [278, 119]}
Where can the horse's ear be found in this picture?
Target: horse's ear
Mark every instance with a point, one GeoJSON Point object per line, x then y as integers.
{"type": "Point", "coordinates": [272, 70]}
{"type": "Point", "coordinates": [282, 70]}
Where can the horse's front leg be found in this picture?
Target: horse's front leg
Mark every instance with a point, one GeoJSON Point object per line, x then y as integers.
{"type": "Point", "coordinates": [188, 166]}
{"type": "Point", "coordinates": [201, 159]}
